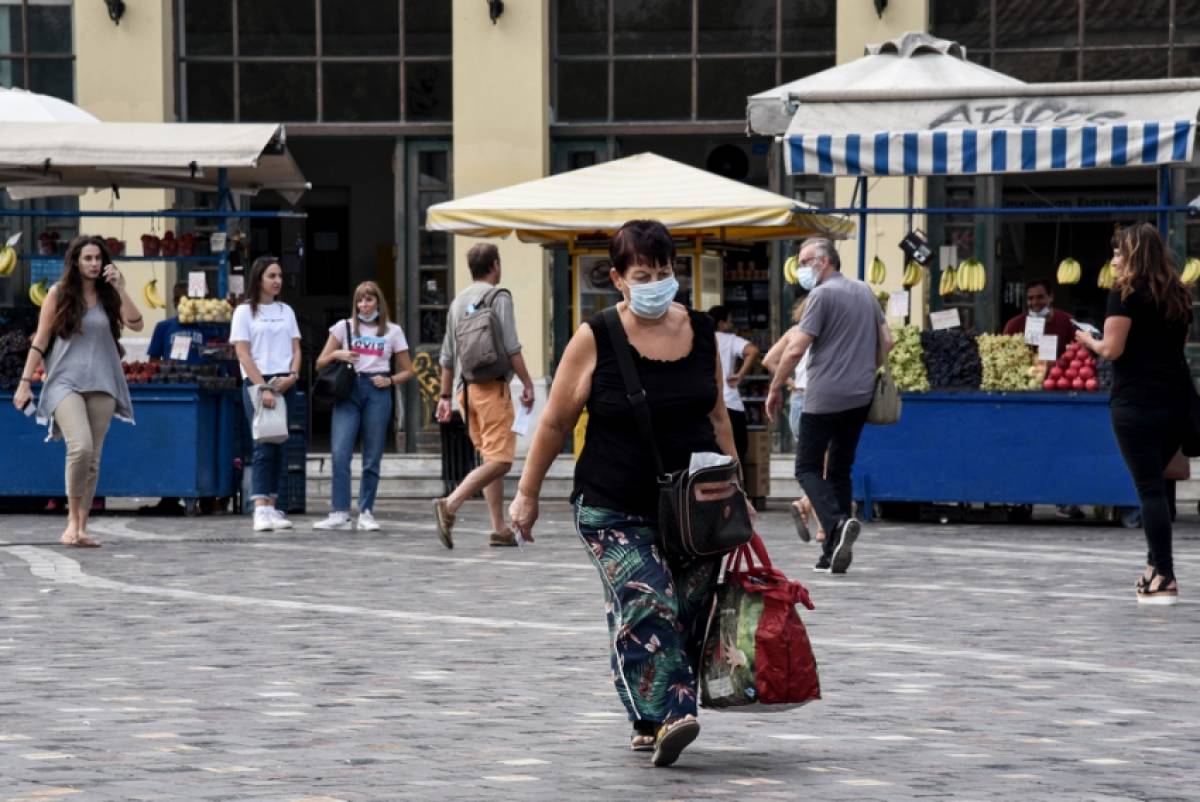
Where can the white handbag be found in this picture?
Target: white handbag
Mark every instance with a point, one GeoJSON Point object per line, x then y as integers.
{"type": "Point", "coordinates": [269, 425]}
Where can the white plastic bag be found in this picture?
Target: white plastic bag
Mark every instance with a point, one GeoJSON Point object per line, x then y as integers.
{"type": "Point", "coordinates": [270, 425]}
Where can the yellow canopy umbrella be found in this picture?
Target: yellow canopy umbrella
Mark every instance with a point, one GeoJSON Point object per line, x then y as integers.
{"type": "Point", "coordinates": [599, 199]}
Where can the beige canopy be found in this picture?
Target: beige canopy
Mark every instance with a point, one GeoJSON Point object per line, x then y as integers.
{"type": "Point", "coordinates": [179, 155]}
{"type": "Point", "coordinates": [599, 199]}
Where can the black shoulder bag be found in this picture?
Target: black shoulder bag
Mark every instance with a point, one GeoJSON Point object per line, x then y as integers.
{"type": "Point", "coordinates": [335, 382]}
{"type": "Point", "coordinates": [702, 514]}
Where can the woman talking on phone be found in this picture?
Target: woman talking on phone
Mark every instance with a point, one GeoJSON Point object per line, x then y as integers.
{"type": "Point", "coordinates": [85, 383]}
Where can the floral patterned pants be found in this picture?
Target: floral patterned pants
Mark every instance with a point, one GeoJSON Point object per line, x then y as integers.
{"type": "Point", "coordinates": [657, 611]}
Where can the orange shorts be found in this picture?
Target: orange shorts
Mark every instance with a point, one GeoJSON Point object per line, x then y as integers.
{"type": "Point", "coordinates": [490, 416]}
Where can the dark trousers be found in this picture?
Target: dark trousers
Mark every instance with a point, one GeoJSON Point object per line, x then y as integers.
{"type": "Point", "coordinates": [829, 489]}
{"type": "Point", "coordinates": [1148, 438]}
{"type": "Point", "coordinates": [737, 420]}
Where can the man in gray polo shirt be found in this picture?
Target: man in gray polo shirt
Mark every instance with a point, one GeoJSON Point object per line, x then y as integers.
{"type": "Point", "coordinates": [845, 327]}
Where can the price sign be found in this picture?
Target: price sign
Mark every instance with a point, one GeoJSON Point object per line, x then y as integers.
{"type": "Point", "coordinates": [1034, 328]}
{"type": "Point", "coordinates": [237, 285]}
{"type": "Point", "coordinates": [197, 284]}
{"type": "Point", "coordinates": [181, 346]}
{"type": "Point", "coordinates": [946, 319]}
{"type": "Point", "coordinates": [898, 304]}
{"type": "Point", "coordinates": [216, 241]}
{"type": "Point", "coordinates": [1048, 348]}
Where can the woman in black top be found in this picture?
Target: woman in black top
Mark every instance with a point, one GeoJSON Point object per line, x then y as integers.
{"type": "Point", "coordinates": [656, 605]}
{"type": "Point", "coordinates": [1149, 313]}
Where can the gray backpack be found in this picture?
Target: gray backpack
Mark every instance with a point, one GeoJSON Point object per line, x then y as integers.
{"type": "Point", "coordinates": [479, 340]}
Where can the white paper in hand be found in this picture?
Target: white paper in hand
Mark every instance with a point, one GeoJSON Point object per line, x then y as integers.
{"type": "Point", "coordinates": [521, 423]}
{"type": "Point", "coordinates": [707, 459]}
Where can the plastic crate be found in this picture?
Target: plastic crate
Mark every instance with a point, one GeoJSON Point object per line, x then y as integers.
{"type": "Point", "coordinates": [293, 499]}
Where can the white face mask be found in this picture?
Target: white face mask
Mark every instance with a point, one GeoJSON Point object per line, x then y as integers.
{"type": "Point", "coordinates": [1043, 312]}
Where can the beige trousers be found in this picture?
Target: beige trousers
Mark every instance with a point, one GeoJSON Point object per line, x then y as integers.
{"type": "Point", "coordinates": [84, 419]}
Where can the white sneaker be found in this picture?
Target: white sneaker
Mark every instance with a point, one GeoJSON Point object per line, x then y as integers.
{"type": "Point", "coordinates": [366, 522]}
{"type": "Point", "coordinates": [336, 520]}
{"type": "Point", "coordinates": [278, 520]}
{"type": "Point", "coordinates": [263, 520]}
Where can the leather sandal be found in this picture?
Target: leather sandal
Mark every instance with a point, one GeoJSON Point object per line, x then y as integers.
{"type": "Point", "coordinates": [673, 738]}
{"type": "Point", "coordinates": [1163, 594]}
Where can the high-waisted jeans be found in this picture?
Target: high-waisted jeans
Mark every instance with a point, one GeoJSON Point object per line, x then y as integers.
{"type": "Point", "coordinates": [366, 412]}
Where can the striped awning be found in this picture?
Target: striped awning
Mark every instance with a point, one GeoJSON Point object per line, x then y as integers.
{"type": "Point", "coordinates": [1019, 133]}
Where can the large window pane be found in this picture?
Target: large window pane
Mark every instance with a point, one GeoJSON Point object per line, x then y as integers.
{"type": "Point", "coordinates": [433, 169]}
{"type": "Point", "coordinates": [652, 26]}
{"type": "Point", "coordinates": [1037, 67]}
{"type": "Point", "coordinates": [49, 27]}
{"type": "Point", "coordinates": [12, 73]}
{"type": "Point", "coordinates": [582, 27]}
{"type": "Point", "coordinates": [809, 25]}
{"type": "Point", "coordinates": [747, 26]}
{"type": "Point", "coordinates": [1186, 62]}
{"type": "Point", "coordinates": [1046, 23]}
{"type": "Point", "coordinates": [277, 28]}
{"type": "Point", "coordinates": [1187, 23]}
{"type": "Point", "coordinates": [1122, 65]}
{"type": "Point", "coordinates": [284, 92]}
{"type": "Point", "coordinates": [582, 90]}
{"type": "Point", "coordinates": [360, 28]}
{"type": "Point", "coordinates": [725, 83]}
{"type": "Point", "coordinates": [11, 38]}
{"type": "Point", "coordinates": [208, 27]}
{"type": "Point", "coordinates": [967, 22]}
{"type": "Point", "coordinates": [1119, 24]}
{"type": "Point", "coordinates": [653, 90]}
{"type": "Point", "coordinates": [209, 92]}
{"type": "Point", "coordinates": [53, 77]}
{"type": "Point", "coordinates": [361, 92]}
{"type": "Point", "coordinates": [428, 90]}
{"type": "Point", "coordinates": [426, 28]}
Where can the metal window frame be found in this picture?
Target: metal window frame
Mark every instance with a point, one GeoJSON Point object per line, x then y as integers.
{"type": "Point", "coordinates": [25, 56]}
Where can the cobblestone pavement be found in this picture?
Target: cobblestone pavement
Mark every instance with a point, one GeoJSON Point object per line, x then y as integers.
{"type": "Point", "coordinates": [195, 660]}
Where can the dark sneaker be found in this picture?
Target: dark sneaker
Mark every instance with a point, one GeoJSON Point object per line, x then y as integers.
{"type": "Point", "coordinates": [847, 533]}
{"type": "Point", "coordinates": [445, 522]}
{"type": "Point", "coordinates": [822, 566]}
{"type": "Point", "coordinates": [505, 537]}
{"type": "Point", "coordinates": [801, 528]}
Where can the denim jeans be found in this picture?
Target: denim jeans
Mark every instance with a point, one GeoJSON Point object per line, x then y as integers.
{"type": "Point", "coordinates": [829, 488]}
{"type": "Point", "coordinates": [795, 407]}
{"type": "Point", "coordinates": [270, 459]}
{"type": "Point", "coordinates": [366, 412]}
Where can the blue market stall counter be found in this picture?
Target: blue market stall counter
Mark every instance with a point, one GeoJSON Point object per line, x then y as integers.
{"type": "Point", "coordinates": [183, 445]}
{"type": "Point", "coordinates": [995, 448]}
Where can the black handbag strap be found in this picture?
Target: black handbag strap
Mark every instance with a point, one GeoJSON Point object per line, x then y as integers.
{"type": "Point", "coordinates": [633, 386]}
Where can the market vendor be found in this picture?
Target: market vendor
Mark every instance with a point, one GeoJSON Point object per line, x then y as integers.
{"type": "Point", "coordinates": [1039, 296]}
{"type": "Point", "coordinates": [163, 342]}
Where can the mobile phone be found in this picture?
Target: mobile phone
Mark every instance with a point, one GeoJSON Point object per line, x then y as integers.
{"type": "Point", "coordinates": [29, 409]}
{"type": "Point", "coordinates": [1088, 327]}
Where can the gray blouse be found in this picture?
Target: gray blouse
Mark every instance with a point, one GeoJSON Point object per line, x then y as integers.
{"type": "Point", "coordinates": [85, 363]}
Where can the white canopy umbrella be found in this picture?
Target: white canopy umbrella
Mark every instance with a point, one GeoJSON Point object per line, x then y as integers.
{"type": "Point", "coordinates": [20, 106]}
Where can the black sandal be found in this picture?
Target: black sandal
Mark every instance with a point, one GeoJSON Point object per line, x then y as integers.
{"type": "Point", "coordinates": [1163, 595]}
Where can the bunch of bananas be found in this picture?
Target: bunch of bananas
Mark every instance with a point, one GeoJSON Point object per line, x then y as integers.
{"type": "Point", "coordinates": [151, 295]}
{"type": "Point", "coordinates": [1105, 280]}
{"type": "Point", "coordinates": [1191, 271]}
{"type": "Point", "coordinates": [38, 292]}
{"type": "Point", "coordinates": [949, 283]}
{"type": "Point", "coordinates": [8, 260]}
{"type": "Point", "coordinates": [878, 272]}
{"type": "Point", "coordinates": [913, 274]}
{"type": "Point", "coordinates": [789, 270]}
{"type": "Point", "coordinates": [1069, 271]}
{"type": "Point", "coordinates": [972, 276]}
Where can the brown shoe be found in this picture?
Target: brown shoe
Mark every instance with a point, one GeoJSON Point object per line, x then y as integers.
{"type": "Point", "coordinates": [504, 537]}
{"type": "Point", "coordinates": [445, 522]}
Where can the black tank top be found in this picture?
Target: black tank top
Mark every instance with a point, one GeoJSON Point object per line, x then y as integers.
{"type": "Point", "coordinates": [616, 468]}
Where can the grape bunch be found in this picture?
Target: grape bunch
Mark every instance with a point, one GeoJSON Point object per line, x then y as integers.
{"type": "Point", "coordinates": [907, 361]}
{"type": "Point", "coordinates": [952, 359]}
{"type": "Point", "coordinates": [1007, 363]}
{"type": "Point", "coordinates": [14, 348]}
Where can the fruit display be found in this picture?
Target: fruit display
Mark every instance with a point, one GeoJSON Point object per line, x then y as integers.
{"type": "Point", "coordinates": [140, 372]}
{"type": "Point", "coordinates": [1074, 370]}
{"type": "Point", "coordinates": [1069, 271]}
{"type": "Point", "coordinates": [204, 310]}
{"type": "Point", "coordinates": [883, 296]}
{"type": "Point", "coordinates": [949, 282]}
{"type": "Point", "coordinates": [971, 276]}
{"type": "Point", "coordinates": [1191, 271]}
{"type": "Point", "coordinates": [38, 292]}
{"type": "Point", "coordinates": [913, 274]}
{"type": "Point", "coordinates": [152, 296]}
{"type": "Point", "coordinates": [789, 270]}
{"type": "Point", "coordinates": [8, 256]}
{"type": "Point", "coordinates": [951, 359]}
{"type": "Point", "coordinates": [1105, 280]}
{"type": "Point", "coordinates": [908, 362]}
{"type": "Point", "coordinates": [878, 272]}
{"type": "Point", "coordinates": [1008, 363]}
{"type": "Point", "coordinates": [14, 348]}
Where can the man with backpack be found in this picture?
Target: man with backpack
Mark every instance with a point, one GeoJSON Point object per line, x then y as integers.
{"type": "Point", "coordinates": [480, 354]}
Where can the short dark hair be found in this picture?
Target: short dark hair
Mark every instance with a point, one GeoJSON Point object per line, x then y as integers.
{"type": "Point", "coordinates": [481, 258]}
{"type": "Point", "coordinates": [1041, 282]}
{"type": "Point", "coordinates": [719, 314]}
{"type": "Point", "coordinates": [641, 242]}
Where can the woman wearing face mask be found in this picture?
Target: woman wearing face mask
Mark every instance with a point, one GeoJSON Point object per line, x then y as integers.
{"type": "Point", "coordinates": [656, 605]}
{"type": "Point", "coordinates": [372, 343]}
{"type": "Point", "coordinates": [1149, 315]}
{"type": "Point", "coordinates": [266, 338]}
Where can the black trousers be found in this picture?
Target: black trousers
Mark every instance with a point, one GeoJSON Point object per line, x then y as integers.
{"type": "Point", "coordinates": [1148, 437]}
{"type": "Point", "coordinates": [740, 436]}
{"type": "Point", "coordinates": [829, 488]}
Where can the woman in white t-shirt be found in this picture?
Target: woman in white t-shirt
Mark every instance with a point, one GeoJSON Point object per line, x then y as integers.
{"type": "Point", "coordinates": [266, 338]}
{"type": "Point", "coordinates": [372, 343]}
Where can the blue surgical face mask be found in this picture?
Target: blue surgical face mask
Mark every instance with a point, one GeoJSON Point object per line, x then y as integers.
{"type": "Point", "coordinates": [369, 318]}
{"type": "Point", "coordinates": [652, 300]}
{"type": "Point", "coordinates": [1043, 312]}
{"type": "Point", "coordinates": [807, 277]}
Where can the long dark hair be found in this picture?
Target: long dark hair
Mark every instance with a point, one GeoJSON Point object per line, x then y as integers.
{"type": "Point", "coordinates": [70, 306]}
{"type": "Point", "coordinates": [1147, 262]}
{"type": "Point", "coordinates": [256, 279]}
